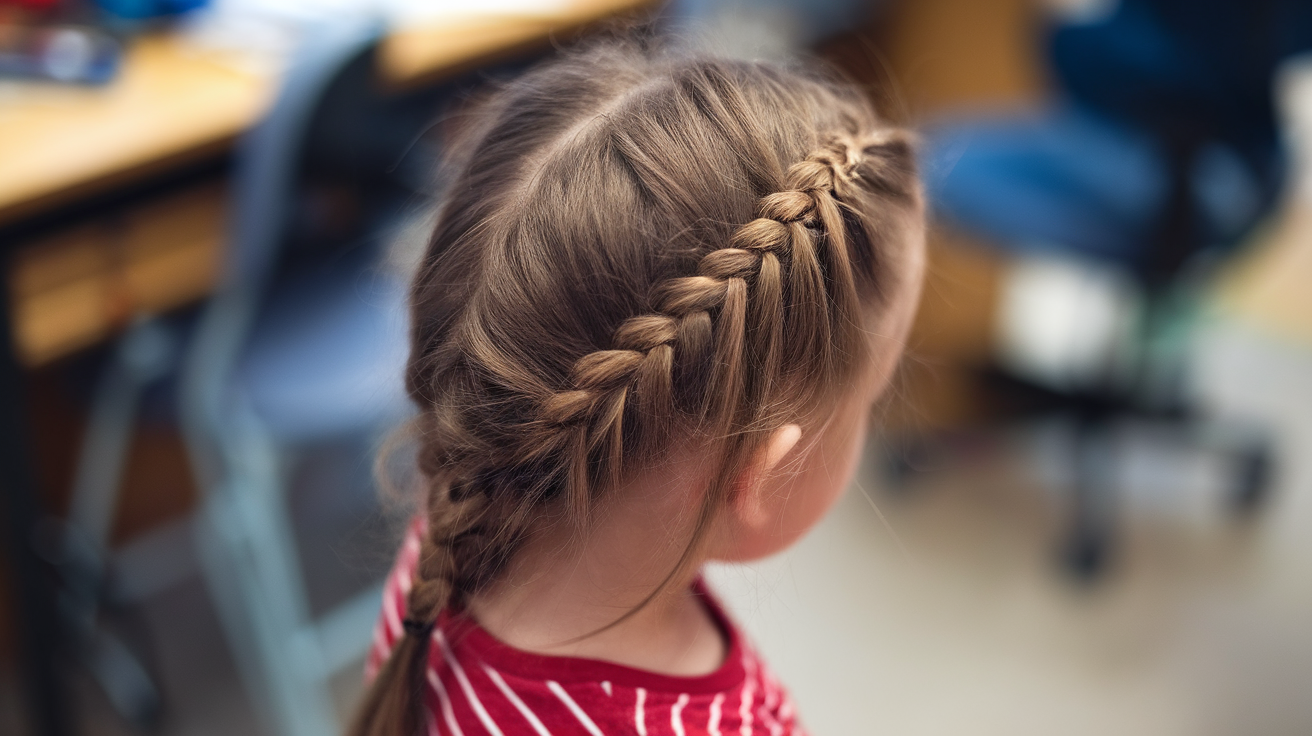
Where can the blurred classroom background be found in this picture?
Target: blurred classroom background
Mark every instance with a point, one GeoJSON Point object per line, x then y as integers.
{"type": "Point", "coordinates": [1088, 509]}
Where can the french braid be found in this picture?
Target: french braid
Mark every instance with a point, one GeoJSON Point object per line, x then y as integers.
{"type": "Point", "coordinates": [668, 248]}
{"type": "Point", "coordinates": [780, 245]}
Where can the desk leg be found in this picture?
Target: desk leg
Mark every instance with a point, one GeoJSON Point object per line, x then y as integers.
{"type": "Point", "coordinates": [32, 591]}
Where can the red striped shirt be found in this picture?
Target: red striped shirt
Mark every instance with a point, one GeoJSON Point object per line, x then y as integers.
{"type": "Point", "coordinates": [480, 686]}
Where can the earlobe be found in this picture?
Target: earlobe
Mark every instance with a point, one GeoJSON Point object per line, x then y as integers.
{"type": "Point", "coordinates": [749, 500]}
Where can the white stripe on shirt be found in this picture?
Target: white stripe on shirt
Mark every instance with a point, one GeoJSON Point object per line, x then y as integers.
{"type": "Point", "coordinates": [410, 564]}
{"type": "Point", "coordinates": [391, 616]}
{"type": "Point", "coordinates": [713, 725]}
{"type": "Point", "coordinates": [573, 707]}
{"type": "Point", "coordinates": [381, 651]}
{"type": "Point", "coordinates": [745, 709]}
{"type": "Point", "coordinates": [505, 689]}
{"type": "Point", "coordinates": [639, 715]}
{"type": "Point", "coordinates": [786, 709]}
{"type": "Point", "coordinates": [770, 693]}
{"type": "Point", "coordinates": [468, 689]}
{"type": "Point", "coordinates": [676, 714]}
{"type": "Point", "coordinates": [445, 702]}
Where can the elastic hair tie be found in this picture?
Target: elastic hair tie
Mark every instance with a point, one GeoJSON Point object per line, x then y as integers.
{"type": "Point", "coordinates": [417, 629]}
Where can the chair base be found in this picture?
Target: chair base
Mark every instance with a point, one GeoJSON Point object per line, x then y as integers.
{"type": "Point", "coordinates": [1088, 547]}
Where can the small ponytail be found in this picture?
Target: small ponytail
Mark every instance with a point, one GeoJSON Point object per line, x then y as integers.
{"type": "Point", "coordinates": [394, 704]}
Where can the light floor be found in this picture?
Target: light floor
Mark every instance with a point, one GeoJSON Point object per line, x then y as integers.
{"type": "Point", "coordinates": [953, 618]}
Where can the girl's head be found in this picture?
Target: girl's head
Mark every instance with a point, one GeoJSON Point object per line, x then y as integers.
{"type": "Point", "coordinates": [644, 256]}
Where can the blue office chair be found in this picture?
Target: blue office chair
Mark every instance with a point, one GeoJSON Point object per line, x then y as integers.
{"type": "Point", "coordinates": [282, 358]}
{"type": "Point", "coordinates": [1160, 157]}
{"type": "Point", "coordinates": [302, 343]}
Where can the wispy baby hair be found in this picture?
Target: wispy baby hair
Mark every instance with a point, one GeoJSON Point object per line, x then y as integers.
{"type": "Point", "coordinates": [639, 249]}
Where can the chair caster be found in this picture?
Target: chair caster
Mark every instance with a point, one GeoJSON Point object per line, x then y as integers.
{"type": "Point", "coordinates": [1255, 469]}
{"type": "Point", "coordinates": [1085, 556]}
{"type": "Point", "coordinates": [897, 469]}
{"type": "Point", "coordinates": [901, 461]}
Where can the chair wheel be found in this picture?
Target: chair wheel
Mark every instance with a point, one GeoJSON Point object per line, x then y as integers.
{"type": "Point", "coordinates": [901, 461]}
{"type": "Point", "coordinates": [1254, 472]}
{"type": "Point", "coordinates": [1085, 556]}
{"type": "Point", "coordinates": [897, 469]}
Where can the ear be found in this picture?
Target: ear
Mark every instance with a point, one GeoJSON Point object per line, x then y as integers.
{"type": "Point", "coordinates": [749, 498]}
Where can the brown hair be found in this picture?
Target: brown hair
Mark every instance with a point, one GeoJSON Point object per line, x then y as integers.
{"type": "Point", "coordinates": [637, 247]}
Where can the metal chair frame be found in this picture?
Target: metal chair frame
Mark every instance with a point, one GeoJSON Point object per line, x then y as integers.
{"type": "Point", "coordinates": [244, 534]}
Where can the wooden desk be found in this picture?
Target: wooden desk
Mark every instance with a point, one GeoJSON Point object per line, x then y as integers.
{"type": "Point", "coordinates": [169, 104]}
{"type": "Point", "coordinates": [173, 104]}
